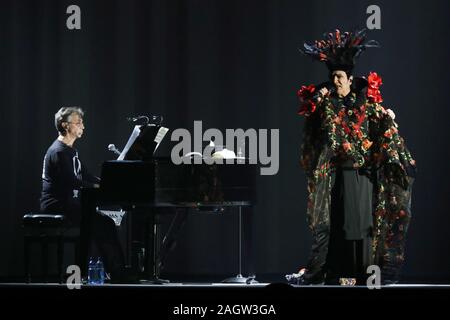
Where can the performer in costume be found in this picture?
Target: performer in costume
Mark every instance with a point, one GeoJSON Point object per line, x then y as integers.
{"type": "Point", "coordinates": [359, 170]}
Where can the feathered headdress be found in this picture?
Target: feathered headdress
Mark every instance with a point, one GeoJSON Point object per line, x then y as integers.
{"type": "Point", "coordinates": [339, 51]}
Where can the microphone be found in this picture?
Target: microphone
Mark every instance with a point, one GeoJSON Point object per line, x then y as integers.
{"type": "Point", "coordinates": [113, 148]}
{"type": "Point", "coordinates": [330, 88]}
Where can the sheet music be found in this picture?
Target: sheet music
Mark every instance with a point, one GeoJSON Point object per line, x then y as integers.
{"type": "Point", "coordinates": [159, 136]}
{"type": "Point", "coordinates": [134, 135]}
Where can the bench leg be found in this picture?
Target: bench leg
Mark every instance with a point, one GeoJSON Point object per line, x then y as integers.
{"type": "Point", "coordinates": [45, 258]}
{"type": "Point", "coordinates": [60, 256]}
{"type": "Point", "coordinates": [26, 258]}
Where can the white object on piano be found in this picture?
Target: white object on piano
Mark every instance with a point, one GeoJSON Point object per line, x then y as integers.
{"type": "Point", "coordinates": [134, 135]}
{"type": "Point", "coordinates": [193, 154]}
{"type": "Point", "coordinates": [160, 135]}
{"type": "Point", "coordinates": [224, 154]}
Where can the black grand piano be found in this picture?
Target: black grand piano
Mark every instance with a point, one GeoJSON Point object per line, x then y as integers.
{"type": "Point", "coordinates": [146, 186]}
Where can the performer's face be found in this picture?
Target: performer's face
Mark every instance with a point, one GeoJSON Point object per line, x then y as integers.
{"type": "Point", "coordinates": [75, 126]}
{"type": "Point", "coordinates": [341, 82]}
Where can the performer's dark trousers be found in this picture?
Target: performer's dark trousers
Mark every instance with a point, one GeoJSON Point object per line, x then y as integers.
{"type": "Point", "coordinates": [343, 249]}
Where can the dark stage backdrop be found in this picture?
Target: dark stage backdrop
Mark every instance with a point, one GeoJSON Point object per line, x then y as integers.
{"type": "Point", "coordinates": [232, 64]}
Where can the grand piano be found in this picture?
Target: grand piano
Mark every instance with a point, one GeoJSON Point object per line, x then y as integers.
{"type": "Point", "coordinates": [146, 186]}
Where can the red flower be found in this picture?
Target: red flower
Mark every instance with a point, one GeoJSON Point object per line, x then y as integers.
{"type": "Point", "coordinates": [345, 127]}
{"type": "Point", "coordinates": [374, 80]}
{"type": "Point", "coordinates": [358, 133]}
{"type": "Point", "coordinates": [402, 213]}
{"type": "Point", "coordinates": [388, 133]}
{"type": "Point", "coordinates": [366, 144]}
{"type": "Point", "coordinates": [374, 83]}
{"type": "Point", "coordinates": [374, 95]}
{"type": "Point", "coordinates": [307, 108]}
{"type": "Point", "coordinates": [306, 92]}
{"type": "Point", "coordinates": [347, 146]}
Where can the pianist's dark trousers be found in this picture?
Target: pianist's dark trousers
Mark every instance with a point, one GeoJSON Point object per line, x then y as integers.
{"type": "Point", "coordinates": [104, 238]}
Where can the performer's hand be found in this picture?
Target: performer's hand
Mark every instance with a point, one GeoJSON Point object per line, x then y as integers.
{"type": "Point", "coordinates": [390, 113]}
{"type": "Point", "coordinates": [323, 93]}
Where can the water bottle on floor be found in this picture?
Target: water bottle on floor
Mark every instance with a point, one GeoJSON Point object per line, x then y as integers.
{"type": "Point", "coordinates": [92, 271]}
{"type": "Point", "coordinates": [100, 271]}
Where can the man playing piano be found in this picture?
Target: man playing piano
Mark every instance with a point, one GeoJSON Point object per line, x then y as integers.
{"type": "Point", "coordinates": [63, 176]}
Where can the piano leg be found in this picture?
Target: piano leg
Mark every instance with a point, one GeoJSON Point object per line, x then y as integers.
{"type": "Point", "coordinates": [151, 270]}
{"type": "Point", "coordinates": [244, 221]}
{"type": "Point", "coordinates": [247, 243]}
{"type": "Point", "coordinates": [169, 240]}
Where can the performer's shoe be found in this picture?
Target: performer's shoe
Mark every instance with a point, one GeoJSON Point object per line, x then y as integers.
{"type": "Point", "coordinates": [303, 278]}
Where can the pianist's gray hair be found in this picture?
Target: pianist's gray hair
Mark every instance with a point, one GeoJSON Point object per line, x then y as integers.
{"type": "Point", "coordinates": [63, 115]}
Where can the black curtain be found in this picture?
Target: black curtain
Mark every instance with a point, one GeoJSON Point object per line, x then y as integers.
{"type": "Point", "coordinates": [231, 64]}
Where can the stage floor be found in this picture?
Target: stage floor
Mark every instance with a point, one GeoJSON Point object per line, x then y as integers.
{"type": "Point", "coordinates": [211, 285]}
{"type": "Point", "coordinates": [223, 300]}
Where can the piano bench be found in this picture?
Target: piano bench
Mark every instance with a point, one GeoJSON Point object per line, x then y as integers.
{"type": "Point", "coordinates": [45, 229]}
